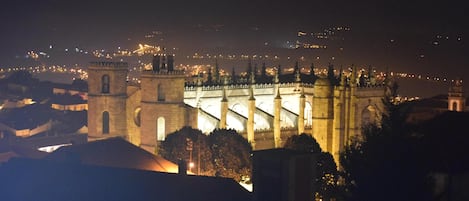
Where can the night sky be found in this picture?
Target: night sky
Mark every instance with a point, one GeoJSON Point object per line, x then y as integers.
{"type": "Point", "coordinates": [389, 34]}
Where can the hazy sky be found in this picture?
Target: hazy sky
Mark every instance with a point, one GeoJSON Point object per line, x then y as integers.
{"type": "Point", "coordinates": [412, 26]}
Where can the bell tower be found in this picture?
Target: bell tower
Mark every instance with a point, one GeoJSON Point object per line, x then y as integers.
{"type": "Point", "coordinates": [163, 110]}
{"type": "Point", "coordinates": [456, 99]}
{"type": "Point", "coordinates": [107, 94]}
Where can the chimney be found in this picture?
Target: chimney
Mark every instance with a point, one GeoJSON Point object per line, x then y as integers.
{"type": "Point", "coordinates": [182, 167]}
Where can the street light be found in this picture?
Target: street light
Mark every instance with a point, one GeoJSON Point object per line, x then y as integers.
{"type": "Point", "coordinates": [191, 165]}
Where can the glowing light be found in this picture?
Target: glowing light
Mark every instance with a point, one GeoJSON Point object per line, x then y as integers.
{"type": "Point", "coordinates": [52, 148]}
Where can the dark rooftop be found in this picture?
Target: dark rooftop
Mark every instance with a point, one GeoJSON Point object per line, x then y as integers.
{"type": "Point", "coordinates": [27, 117]}
{"type": "Point", "coordinates": [29, 179]}
{"type": "Point", "coordinates": [113, 152]}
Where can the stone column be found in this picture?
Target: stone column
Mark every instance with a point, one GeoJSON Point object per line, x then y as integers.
{"type": "Point", "coordinates": [277, 110]}
{"type": "Point", "coordinates": [250, 123]}
{"type": "Point", "coordinates": [224, 110]}
{"type": "Point", "coordinates": [301, 114]}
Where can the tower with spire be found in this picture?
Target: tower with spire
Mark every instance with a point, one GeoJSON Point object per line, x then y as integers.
{"type": "Point", "coordinates": [162, 102]}
{"type": "Point", "coordinates": [456, 99]}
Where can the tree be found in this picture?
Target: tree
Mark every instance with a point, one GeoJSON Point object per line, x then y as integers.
{"type": "Point", "coordinates": [303, 143]}
{"type": "Point", "coordinates": [190, 145]}
{"type": "Point", "coordinates": [446, 145]}
{"type": "Point", "coordinates": [231, 154]}
{"type": "Point", "coordinates": [326, 179]}
{"type": "Point", "coordinates": [385, 162]}
{"type": "Point", "coordinates": [223, 153]}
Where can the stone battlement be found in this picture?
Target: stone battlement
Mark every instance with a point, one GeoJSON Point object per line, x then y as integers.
{"type": "Point", "coordinates": [162, 72]}
{"type": "Point", "coordinates": [108, 64]}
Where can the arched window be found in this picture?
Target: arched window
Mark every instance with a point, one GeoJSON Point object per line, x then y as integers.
{"type": "Point", "coordinates": [137, 116]}
{"type": "Point", "coordinates": [369, 115]}
{"type": "Point", "coordinates": [161, 95]}
{"type": "Point", "coordinates": [455, 106]}
{"type": "Point", "coordinates": [105, 122]}
{"type": "Point", "coordinates": [105, 84]}
{"type": "Point", "coordinates": [160, 129]}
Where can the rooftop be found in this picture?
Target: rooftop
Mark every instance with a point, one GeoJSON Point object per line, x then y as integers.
{"type": "Point", "coordinates": [113, 152]}
{"type": "Point", "coordinates": [29, 179]}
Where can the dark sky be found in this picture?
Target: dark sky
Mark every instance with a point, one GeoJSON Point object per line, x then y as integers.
{"type": "Point", "coordinates": [412, 25]}
{"type": "Point", "coordinates": [32, 21]}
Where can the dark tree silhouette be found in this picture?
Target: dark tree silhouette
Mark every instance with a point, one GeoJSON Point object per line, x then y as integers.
{"type": "Point", "coordinates": [181, 143]}
{"type": "Point", "coordinates": [231, 154]}
{"type": "Point", "coordinates": [223, 153]}
{"type": "Point", "coordinates": [326, 179]}
{"type": "Point", "coordinates": [303, 143]}
{"type": "Point", "coordinates": [385, 163]}
{"type": "Point", "coordinates": [446, 145]}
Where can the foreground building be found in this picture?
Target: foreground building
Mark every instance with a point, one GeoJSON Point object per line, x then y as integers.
{"type": "Point", "coordinates": [36, 179]}
{"type": "Point", "coordinates": [266, 110]}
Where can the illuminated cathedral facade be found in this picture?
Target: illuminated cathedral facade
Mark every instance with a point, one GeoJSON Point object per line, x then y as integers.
{"type": "Point", "coordinates": [266, 110]}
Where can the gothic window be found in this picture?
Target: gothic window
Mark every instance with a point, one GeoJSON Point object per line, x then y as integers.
{"type": "Point", "coordinates": [137, 116]}
{"type": "Point", "coordinates": [160, 129]}
{"type": "Point", "coordinates": [105, 122]}
{"type": "Point", "coordinates": [105, 84]}
{"type": "Point", "coordinates": [161, 95]}
{"type": "Point", "coordinates": [369, 115]}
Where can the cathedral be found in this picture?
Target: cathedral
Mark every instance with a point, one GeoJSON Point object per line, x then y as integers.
{"type": "Point", "coordinates": [265, 109]}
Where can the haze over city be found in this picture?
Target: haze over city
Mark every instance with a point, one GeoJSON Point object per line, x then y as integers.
{"type": "Point", "coordinates": [234, 100]}
{"type": "Point", "coordinates": [417, 38]}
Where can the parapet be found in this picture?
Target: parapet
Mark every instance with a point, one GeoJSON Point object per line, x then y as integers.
{"type": "Point", "coordinates": [163, 72]}
{"type": "Point", "coordinates": [109, 64]}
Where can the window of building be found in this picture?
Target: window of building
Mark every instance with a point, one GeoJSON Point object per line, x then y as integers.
{"type": "Point", "coordinates": [160, 129]}
{"type": "Point", "coordinates": [161, 95]}
{"type": "Point", "coordinates": [105, 84]}
{"type": "Point", "coordinates": [137, 116]}
{"type": "Point", "coordinates": [369, 115]}
{"type": "Point", "coordinates": [105, 122]}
